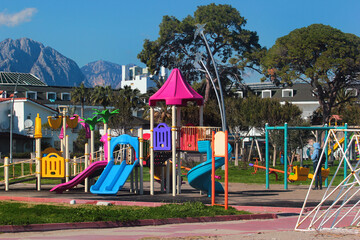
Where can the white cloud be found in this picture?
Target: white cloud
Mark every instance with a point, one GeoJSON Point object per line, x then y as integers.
{"type": "Point", "coordinates": [14, 19]}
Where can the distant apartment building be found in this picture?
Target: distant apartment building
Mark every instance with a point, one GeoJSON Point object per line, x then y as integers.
{"type": "Point", "coordinates": [140, 78]}
{"type": "Point", "coordinates": [300, 94]}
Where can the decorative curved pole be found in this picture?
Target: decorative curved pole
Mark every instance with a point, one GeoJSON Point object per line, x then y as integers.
{"type": "Point", "coordinates": [200, 30]}
{"type": "Point", "coordinates": [199, 60]}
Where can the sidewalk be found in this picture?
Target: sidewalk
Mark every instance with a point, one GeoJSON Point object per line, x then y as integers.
{"type": "Point", "coordinates": [286, 204]}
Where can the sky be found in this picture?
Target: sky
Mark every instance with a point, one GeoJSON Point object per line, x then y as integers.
{"type": "Point", "coordinates": [114, 30]}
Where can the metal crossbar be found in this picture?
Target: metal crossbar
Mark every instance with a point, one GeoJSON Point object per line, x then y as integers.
{"type": "Point", "coordinates": [344, 197]}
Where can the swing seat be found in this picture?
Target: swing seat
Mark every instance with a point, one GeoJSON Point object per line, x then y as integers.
{"type": "Point", "coordinates": [324, 174]}
{"type": "Point", "coordinates": [300, 174]}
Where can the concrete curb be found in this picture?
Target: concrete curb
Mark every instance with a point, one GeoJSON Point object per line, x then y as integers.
{"type": "Point", "coordinates": [144, 222]}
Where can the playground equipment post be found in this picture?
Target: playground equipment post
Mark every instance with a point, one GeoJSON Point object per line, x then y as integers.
{"type": "Point", "coordinates": [219, 147]}
{"type": "Point", "coordinates": [141, 159]}
{"type": "Point", "coordinates": [38, 136]}
{"type": "Point", "coordinates": [86, 165]}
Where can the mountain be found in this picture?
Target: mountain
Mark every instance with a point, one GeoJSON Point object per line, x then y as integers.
{"type": "Point", "coordinates": [102, 73]}
{"type": "Point", "coordinates": [28, 56]}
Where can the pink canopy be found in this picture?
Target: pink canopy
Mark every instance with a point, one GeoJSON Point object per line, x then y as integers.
{"type": "Point", "coordinates": [176, 91]}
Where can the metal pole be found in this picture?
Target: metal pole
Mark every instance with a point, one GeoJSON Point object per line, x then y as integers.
{"type": "Point", "coordinates": [218, 78]}
{"type": "Point", "coordinates": [267, 154]}
{"type": "Point", "coordinates": [326, 154]}
{"type": "Point", "coordinates": [285, 155]}
{"type": "Point", "coordinates": [345, 148]}
{"type": "Point", "coordinates": [11, 120]}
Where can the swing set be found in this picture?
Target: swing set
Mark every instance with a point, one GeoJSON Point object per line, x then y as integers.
{"type": "Point", "coordinates": [300, 173]}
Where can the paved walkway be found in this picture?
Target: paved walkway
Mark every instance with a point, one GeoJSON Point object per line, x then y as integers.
{"type": "Point", "coordinates": [250, 197]}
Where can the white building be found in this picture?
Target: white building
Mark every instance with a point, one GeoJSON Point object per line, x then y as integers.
{"type": "Point", "coordinates": [140, 78]}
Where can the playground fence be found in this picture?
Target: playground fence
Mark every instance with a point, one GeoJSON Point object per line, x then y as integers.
{"type": "Point", "coordinates": [189, 136]}
{"type": "Point", "coordinates": [17, 170]}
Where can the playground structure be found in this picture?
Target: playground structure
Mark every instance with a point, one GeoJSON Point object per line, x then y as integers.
{"type": "Point", "coordinates": [49, 163]}
{"type": "Point", "coordinates": [176, 92]}
{"type": "Point", "coordinates": [299, 173]}
{"type": "Point", "coordinates": [343, 196]}
{"type": "Point", "coordinates": [160, 150]}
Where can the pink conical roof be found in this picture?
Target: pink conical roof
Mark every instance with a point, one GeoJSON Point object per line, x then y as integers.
{"type": "Point", "coordinates": [176, 91]}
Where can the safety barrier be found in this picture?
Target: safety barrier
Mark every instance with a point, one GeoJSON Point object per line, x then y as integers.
{"type": "Point", "coordinates": [189, 136]}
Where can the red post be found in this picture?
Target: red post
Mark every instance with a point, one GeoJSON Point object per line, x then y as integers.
{"type": "Point", "coordinates": [226, 170]}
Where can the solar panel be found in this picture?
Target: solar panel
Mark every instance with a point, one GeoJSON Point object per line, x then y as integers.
{"type": "Point", "coordinates": [9, 78]}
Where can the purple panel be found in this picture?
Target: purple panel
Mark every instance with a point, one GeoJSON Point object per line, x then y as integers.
{"type": "Point", "coordinates": [162, 137]}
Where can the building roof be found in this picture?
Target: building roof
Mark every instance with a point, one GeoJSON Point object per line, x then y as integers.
{"type": "Point", "coordinates": [31, 101]}
{"type": "Point", "coordinates": [10, 78]}
{"type": "Point", "coordinates": [176, 91]}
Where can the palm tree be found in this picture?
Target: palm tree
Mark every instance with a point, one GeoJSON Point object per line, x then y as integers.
{"type": "Point", "coordinates": [101, 95]}
{"type": "Point", "coordinates": [80, 96]}
{"type": "Point", "coordinates": [132, 96]}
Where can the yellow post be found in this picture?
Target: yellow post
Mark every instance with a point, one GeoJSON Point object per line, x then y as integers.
{"type": "Point", "coordinates": [6, 173]}
{"type": "Point", "coordinates": [141, 158]}
{"type": "Point", "coordinates": [38, 136]}
{"type": "Point", "coordinates": [74, 166]}
{"type": "Point", "coordinates": [109, 140]}
{"type": "Point", "coordinates": [86, 165]}
{"type": "Point", "coordinates": [67, 160]}
{"type": "Point", "coordinates": [38, 163]}
{"type": "Point", "coordinates": [63, 141]}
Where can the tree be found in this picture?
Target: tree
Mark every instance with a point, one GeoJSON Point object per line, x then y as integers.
{"type": "Point", "coordinates": [176, 46]}
{"type": "Point", "coordinates": [322, 56]}
{"type": "Point", "coordinates": [126, 100]}
{"type": "Point", "coordinates": [255, 112]}
{"type": "Point", "coordinates": [79, 144]}
{"type": "Point", "coordinates": [80, 96]}
{"type": "Point", "coordinates": [101, 95]}
{"type": "Point", "coordinates": [162, 112]}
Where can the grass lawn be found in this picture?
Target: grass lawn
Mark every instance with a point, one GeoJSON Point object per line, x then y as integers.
{"type": "Point", "coordinates": [237, 174]}
{"type": "Point", "coordinates": [17, 213]}
{"type": "Point", "coordinates": [244, 174]}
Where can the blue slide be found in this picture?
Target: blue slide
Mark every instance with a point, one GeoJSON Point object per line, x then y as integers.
{"type": "Point", "coordinates": [114, 176]}
{"type": "Point", "coordinates": [199, 177]}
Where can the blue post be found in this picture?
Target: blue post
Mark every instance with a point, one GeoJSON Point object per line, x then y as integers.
{"type": "Point", "coordinates": [285, 156]}
{"type": "Point", "coordinates": [326, 154]}
{"type": "Point", "coordinates": [345, 148]}
{"type": "Point", "coordinates": [267, 155]}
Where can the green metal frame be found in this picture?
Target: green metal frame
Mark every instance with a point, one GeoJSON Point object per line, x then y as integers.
{"type": "Point", "coordinates": [285, 128]}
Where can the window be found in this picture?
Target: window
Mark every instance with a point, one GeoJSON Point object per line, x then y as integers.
{"type": "Point", "coordinates": [51, 96]}
{"type": "Point", "coordinates": [31, 95]}
{"type": "Point", "coordinates": [266, 94]}
{"type": "Point", "coordinates": [65, 96]}
{"type": "Point", "coordinates": [287, 93]}
{"type": "Point", "coordinates": [351, 92]}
